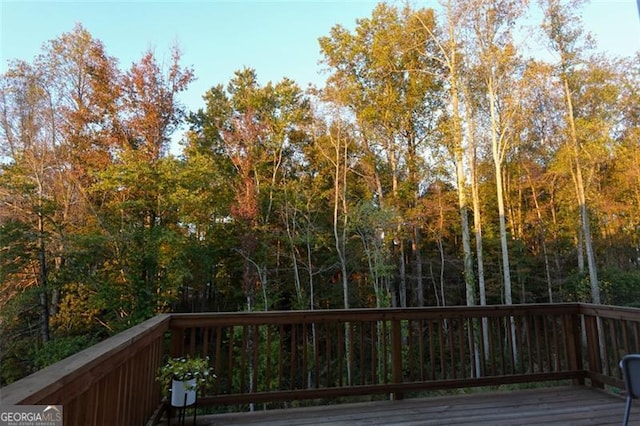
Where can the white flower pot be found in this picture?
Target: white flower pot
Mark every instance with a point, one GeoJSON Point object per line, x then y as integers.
{"type": "Point", "coordinates": [181, 388]}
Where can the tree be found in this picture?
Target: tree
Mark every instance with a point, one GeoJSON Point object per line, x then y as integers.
{"type": "Point", "coordinates": [565, 37]}
{"type": "Point", "coordinates": [626, 178]}
{"type": "Point", "coordinates": [336, 149]}
{"type": "Point", "coordinates": [138, 214]}
{"type": "Point", "coordinates": [30, 137]}
{"type": "Point", "coordinates": [450, 55]}
{"type": "Point", "coordinates": [492, 23]}
{"type": "Point", "coordinates": [57, 116]}
{"type": "Point", "coordinates": [539, 128]}
{"type": "Point", "coordinates": [381, 74]}
{"type": "Point", "coordinates": [255, 128]}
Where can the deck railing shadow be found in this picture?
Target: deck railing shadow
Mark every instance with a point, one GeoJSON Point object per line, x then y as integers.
{"type": "Point", "coordinates": [273, 357]}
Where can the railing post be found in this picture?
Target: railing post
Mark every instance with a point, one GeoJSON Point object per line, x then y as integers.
{"type": "Point", "coordinates": [177, 342]}
{"type": "Point", "coordinates": [396, 355]}
{"type": "Point", "coordinates": [593, 350]}
{"type": "Point", "coordinates": [573, 343]}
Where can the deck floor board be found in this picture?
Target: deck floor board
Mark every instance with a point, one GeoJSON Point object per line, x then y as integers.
{"type": "Point", "coordinates": [546, 406]}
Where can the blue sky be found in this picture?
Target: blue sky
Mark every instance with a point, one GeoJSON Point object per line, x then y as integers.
{"type": "Point", "coordinates": [277, 38]}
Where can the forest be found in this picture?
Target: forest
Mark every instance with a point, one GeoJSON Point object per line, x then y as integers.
{"type": "Point", "coordinates": [441, 164]}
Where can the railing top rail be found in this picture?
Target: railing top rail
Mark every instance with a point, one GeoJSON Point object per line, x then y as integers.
{"type": "Point", "coordinates": [612, 312]}
{"type": "Point", "coordinates": [87, 365]}
{"type": "Point", "coordinates": [185, 320]}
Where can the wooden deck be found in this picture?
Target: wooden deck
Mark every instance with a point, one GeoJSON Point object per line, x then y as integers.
{"type": "Point", "coordinates": [276, 356]}
{"type": "Point", "coordinates": [548, 406]}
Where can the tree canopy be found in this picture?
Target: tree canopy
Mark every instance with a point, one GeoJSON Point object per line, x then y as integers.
{"type": "Point", "coordinates": [435, 133]}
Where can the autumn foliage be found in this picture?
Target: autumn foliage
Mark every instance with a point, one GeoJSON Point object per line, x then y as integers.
{"type": "Point", "coordinates": [441, 164]}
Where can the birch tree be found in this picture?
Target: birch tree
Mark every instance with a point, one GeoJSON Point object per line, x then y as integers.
{"type": "Point", "coordinates": [379, 75]}
{"type": "Point", "coordinates": [565, 37]}
{"type": "Point", "coordinates": [492, 22]}
{"type": "Point", "coordinates": [449, 53]}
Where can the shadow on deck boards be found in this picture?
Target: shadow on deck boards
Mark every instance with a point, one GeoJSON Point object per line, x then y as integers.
{"type": "Point", "coordinates": [567, 405]}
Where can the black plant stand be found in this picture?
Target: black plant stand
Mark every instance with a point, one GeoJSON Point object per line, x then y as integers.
{"type": "Point", "coordinates": [182, 411]}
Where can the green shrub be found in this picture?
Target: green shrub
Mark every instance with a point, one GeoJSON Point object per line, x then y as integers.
{"type": "Point", "coordinates": [58, 349]}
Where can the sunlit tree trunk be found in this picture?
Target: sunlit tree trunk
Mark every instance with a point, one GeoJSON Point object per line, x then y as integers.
{"type": "Point", "coordinates": [291, 225]}
{"type": "Point", "coordinates": [582, 200]}
{"type": "Point", "coordinates": [44, 287]}
{"type": "Point", "coordinates": [475, 199]}
{"type": "Point", "coordinates": [339, 211]}
{"type": "Point", "coordinates": [498, 153]}
{"type": "Point", "coordinates": [565, 36]}
{"type": "Point", "coordinates": [543, 238]}
{"type": "Point", "coordinates": [418, 266]}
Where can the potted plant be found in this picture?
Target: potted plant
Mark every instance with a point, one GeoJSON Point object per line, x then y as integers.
{"type": "Point", "coordinates": [183, 376]}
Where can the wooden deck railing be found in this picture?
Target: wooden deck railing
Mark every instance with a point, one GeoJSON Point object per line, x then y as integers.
{"type": "Point", "coordinates": [110, 383]}
{"type": "Point", "coordinates": [271, 357]}
{"type": "Point", "coordinates": [610, 333]}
